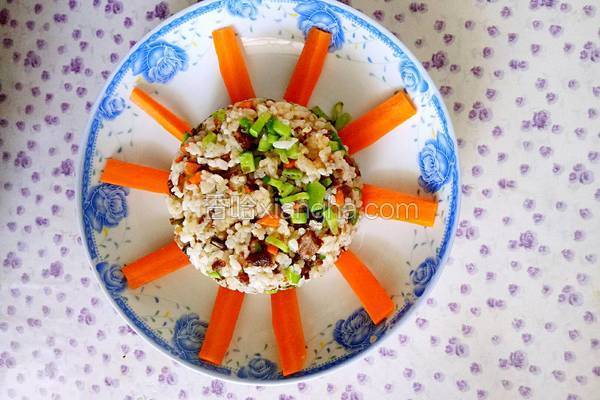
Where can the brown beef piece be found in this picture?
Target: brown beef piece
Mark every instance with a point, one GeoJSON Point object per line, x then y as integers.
{"type": "Point", "coordinates": [260, 259]}
{"type": "Point", "coordinates": [217, 265]}
{"type": "Point", "coordinates": [243, 277]}
{"type": "Point", "coordinates": [309, 244]}
{"type": "Point", "coordinates": [245, 140]}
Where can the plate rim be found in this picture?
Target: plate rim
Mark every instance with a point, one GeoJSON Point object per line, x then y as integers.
{"type": "Point", "coordinates": [346, 360]}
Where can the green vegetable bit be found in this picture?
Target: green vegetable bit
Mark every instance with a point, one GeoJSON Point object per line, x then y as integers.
{"type": "Point", "coordinates": [342, 121]}
{"type": "Point", "coordinates": [353, 217]}
{"type": "Point", "coordinates": [299, 218]}
{"type": "Point", "coordinates": [272, 291]}
{"type": "Point", "coordinates": [316, 193]}
{"type": "Point", "coordinates": [272, 138]}
{"type": "Point", "coordinates": [284, 188]}
{"type": "Point", "coordinates": [336, 111]}
{"type": "Point", "coordinates": [326, 182]}
{"type": "Point", "coordinates": [331, 220]}
{"type": "Point", "coordinates": [293, 152]}
{"type": "Point", "coordinates": [209, 138]}
{"type": "Point", "coordinates": [291, 276]}
{"type": "Point", "coordinates": [247, 162]}
{"type": "Point", "coordinates": [335, 146]}
{"type": "Point", "coordinates": [282, 129]}
{"type": "Point", "coordinates": [215, 275]}
{"type": "Point", "coordinates": [245, 123]}
{"type": "Point", "coordinates": [336, 138]}
{"type": "Point", "coordinates": [185, 137]}
{"type": "Point", "coordinates": [294, 197]}
{"type": "Point", "coordinates": [282, 155]}
{"type": "Point", "coordinates": [220, 114]}
{"type": "Point", "coordinates": [259, 124]}
{"type": "Point", "coordinates": [277, 242]}
{"type": "Point", "coordinates": [292, 173]}
{"type": "Point", "coordinates": [322, 256]}
{"type": "Point", "coordinates": [263, 144]}
{"type": "Point", "coordinates": [319, 113]}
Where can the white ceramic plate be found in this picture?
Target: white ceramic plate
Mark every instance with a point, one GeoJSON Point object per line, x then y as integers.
{"type": "Point", "coordinates": [178, 65]}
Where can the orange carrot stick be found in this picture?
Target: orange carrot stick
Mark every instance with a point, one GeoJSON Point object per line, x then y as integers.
{"type": "Point", "coordinates": [232, 65]}
{"type": "Point", "coordinates": [269, 220]}
{"type": "Point", "coordinates": [171, 122]}
{"type": "Point", "coordinates": [309, 67]}
{"type": "Point", "coordinates": [272, 250]}
{"type": "Point", "coordinates": [222, 325]}
{"type": "Point", "coordinates": [155, 265]}
{"type": "Point", "coordinates": [372, 295]}
{"type": "Point", "coordinates": [370, 127]}
{"type": "Point", "coordinates": [135, 176]}
{"type": "Point", "coordinates": [287, 326]}
{"type": "Point", "coordinates": [386, 203]}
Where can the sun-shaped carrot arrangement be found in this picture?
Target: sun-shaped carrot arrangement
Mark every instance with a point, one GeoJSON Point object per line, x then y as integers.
{"type": "Point", "coordinates": [353, 137]}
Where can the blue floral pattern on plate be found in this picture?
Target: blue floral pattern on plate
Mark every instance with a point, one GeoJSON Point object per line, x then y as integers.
{"type": "Point", "coordinates": [423, 274]}
{"type": "Point", "coordinates": [188, 336]}
{"type": "Point", "coordinates": [357, 332]}
{"type": "Point", "coordinates": [320, 15]}
{"type": "Point", "coordinates": [105, 206]}
{"type": "Point", "coordinates": [112, 277]}
{"type": "Point", "coordinates": [259, 368]}
{"type": "Point", "coordinates": [411, 77]}
{"type": "Point", "coordinates": [159, 61]}
{"type": "Point", "coordinates": [436, 161]}
{"type": "Point", "coordinates": [111, 107]}
{"type": "Point", "coordinates": [243, 8]}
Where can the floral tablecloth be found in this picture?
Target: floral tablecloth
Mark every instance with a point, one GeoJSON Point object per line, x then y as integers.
{"type": "Point", "coordinates": [516, 312]}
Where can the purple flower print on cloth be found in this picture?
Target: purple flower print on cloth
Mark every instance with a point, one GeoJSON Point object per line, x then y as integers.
{"type": "Point", "coordinates": [159, 61]}
{"type": "Point", "coordinates": [105, 206]}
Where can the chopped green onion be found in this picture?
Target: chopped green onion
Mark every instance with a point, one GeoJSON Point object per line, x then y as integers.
{"type": "Point", "coordinates": [293, 152]}
{"type": "Point", "coordinates": [282, 129]}
{"type": "Point", "coordinates": [337, 110]}
{"type": "Point", "coordinates": [291, 276]}
{"type": "Point", "coordinates": [294, 197]}
{"type": "Point", "coordinates": [299, 218]}
{"type": "Point", "coordinates": [342, 121]}
{"type": "Point", "coordinates": [185, 137]}
{"type": "Point", "coordinates": [322, 256]}
{"type": "Point", "coordinates": [275, 241]}
{"type": "Point", "coordinates": [282, 155]}
{"type": "Point", "coordinates": [272, 291]}
{"type": "Point", "coordinates": [263, 144]}
{"type": "Point", "coordinates": [272, 138]}
{"type": "Point", "coordinates": [220, 114]}
{"type": "Point", "coordinates": [331, 220]}
{"type": "Point", "coordinates": [215, 275]}
{"type": "Point", "coordinates": [287, 189]}
{"type": "Point", "coordinates": [335, 146]}
{"type": "Point", "coordinates": [259, 124]}
{"type": "Point", "coordinates": [284, 188]}
{"type": "Point", "coordinates": [353, 217]}
{"type": "Point", "coordinates": [326, 182]}
{"type": "Point", "coordinates": [319, 113]}
{"type": "Point", "coordinates": [245, 123]}
{"type": "Point", "coordinates": [247, 162]}
{"type": "Point", "coordinates": [210, 137]}
{"type": "Point", "coordinates": [292, 173]}
{"type": "Point", "coordinates": [336, 137]}
{"type": "Point", "coordinates": [316, 193]}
